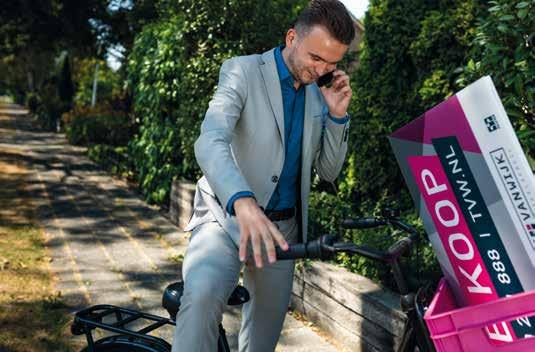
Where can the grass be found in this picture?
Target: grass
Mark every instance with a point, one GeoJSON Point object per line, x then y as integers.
{"type": "Point", "coordinates": [32, 314]}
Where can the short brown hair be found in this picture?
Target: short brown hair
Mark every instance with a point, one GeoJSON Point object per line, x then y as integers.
{"type": "Point", "coordinates": [332, 15]}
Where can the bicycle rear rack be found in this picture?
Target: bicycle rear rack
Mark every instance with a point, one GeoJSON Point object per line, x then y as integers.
{"type": "Point", "coordinates": [86, 320]}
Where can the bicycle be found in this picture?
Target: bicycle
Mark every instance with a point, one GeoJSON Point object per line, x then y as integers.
{"type": "Point", "coordinates": [415, 336]}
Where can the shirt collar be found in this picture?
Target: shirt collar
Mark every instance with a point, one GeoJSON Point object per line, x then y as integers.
{"type": "Point", "coordinates": [284, 73]}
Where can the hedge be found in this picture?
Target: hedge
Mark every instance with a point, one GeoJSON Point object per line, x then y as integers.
{"type": "Point", "coordinates": [99, 125]}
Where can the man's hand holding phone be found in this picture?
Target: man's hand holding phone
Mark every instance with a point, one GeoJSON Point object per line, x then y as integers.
{"type": "Point", "coordinates": [337, 94]}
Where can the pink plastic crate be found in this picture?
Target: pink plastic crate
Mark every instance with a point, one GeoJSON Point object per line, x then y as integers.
{"type": "Point", "coordinates": [456, 329]}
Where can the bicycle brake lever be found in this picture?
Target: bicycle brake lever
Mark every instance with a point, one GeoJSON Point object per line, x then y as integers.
{"type": "Point", "coordinates": [326, 248]}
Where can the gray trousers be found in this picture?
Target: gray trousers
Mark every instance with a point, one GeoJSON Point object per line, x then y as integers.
{"type": "Point", "coordinates": [210, 271]}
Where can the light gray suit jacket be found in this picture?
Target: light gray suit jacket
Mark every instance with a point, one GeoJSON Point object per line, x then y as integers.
{"type": "Point", "coordinates": [241, 145]}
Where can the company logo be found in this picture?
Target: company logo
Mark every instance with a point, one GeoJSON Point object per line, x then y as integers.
{"type": "Point", "coordinates": [531, 229]}
{"type": "Point", "coordinates": [492, 123]}
{"type": "Point", "coordinates": [519, 200]}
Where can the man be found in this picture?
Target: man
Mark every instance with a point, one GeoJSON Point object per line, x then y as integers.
{"type": "Point", "coordinates": [266, 127]}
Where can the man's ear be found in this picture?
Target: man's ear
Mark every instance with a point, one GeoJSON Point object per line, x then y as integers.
{"type": "Point", "coordinates": [291, 37]}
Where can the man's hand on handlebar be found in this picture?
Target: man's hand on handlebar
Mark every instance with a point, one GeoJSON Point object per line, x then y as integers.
{"type": "Point", "coordinates": [255, 227]}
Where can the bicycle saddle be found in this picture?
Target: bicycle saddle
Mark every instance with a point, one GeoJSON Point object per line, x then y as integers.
{"type": "Point", "coordinates": [173, 292]}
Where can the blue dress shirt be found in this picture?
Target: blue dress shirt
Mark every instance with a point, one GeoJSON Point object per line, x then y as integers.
{"type": "Point", "coordinates": [285, 194]}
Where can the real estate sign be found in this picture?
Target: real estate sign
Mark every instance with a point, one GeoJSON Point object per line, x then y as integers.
{"type": "Point", "coordinates": [475, 191]}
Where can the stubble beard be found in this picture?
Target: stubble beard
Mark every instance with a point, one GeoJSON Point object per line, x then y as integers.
{"type": "Point", "coordinates": [295, 70]}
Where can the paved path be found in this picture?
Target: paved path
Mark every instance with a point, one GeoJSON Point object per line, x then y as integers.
{"type": "Point", "coordinates": [107, 245]}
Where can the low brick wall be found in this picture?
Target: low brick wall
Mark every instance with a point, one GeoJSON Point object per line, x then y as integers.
{"type": "Point", "coordinates": [359, 314]}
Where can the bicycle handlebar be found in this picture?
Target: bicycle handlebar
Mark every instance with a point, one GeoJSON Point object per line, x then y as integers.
{"type": "Point", "coordinates": [325, 248]}
{"type": "Point", "coordinates": [363, 223]}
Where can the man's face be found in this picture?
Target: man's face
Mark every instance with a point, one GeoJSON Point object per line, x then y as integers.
{"type": "Point", "coordinates": [313, 54]}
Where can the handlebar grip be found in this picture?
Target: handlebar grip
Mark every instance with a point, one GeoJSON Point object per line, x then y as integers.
{"type": "Point", "coordinates": [296, 251]}
{"type": "Point", "coordinates": [317, 249]}
{"type": "Point", "coordinates": [362, 223]}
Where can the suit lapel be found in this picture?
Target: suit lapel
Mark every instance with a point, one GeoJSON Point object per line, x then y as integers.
{"type": "Point", "coordinates": [313, 106]}
{"type": "Point", "coordinates": [268, 67]}
{"type": "Point", "coordinates": [312, 111]}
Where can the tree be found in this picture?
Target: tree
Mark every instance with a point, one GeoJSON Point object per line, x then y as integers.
{"type": "Point", "coordinates": [34, 33]}
{"type": "Point", "coordinates": [65, 85]}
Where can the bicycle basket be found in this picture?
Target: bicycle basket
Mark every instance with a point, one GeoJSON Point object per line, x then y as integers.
{"type": "Point", "coordinates": [456, 329]}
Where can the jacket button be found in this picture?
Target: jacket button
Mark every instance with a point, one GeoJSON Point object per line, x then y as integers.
{"type": "Point", "coordinates": [274, 179]}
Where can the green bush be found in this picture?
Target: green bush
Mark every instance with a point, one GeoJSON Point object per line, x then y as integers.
{"type": "Point", "coordinates": [410, 52]}
{"type": "Point", "coordinates": [86, 126]}
{"type": "Point", "coordinates": [154, 70]}
{"type": "Point", "coordinates": [32, 102]}
{"type": "Point", "coordinates": [53, 97]}
{"type": "Point", "coordinates": [51, 107]}
{"type": "Point", "coordinates": [111, 158]}
{"type": "Point", "coordinates": [326, 214]}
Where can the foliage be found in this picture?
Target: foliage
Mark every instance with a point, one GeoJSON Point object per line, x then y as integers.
{"type": "Point", "coordinates": [51, 107]}
{"type": "Point", "coordinates": [34, 33]}
{"type": "Point", "coordinates": [100, 125]}
{"type": "Point", "coordinates": [32, 102]}
{"type": "Point", "coordinates": [155, 69]}
{"type": "Point", "coordinates": [327, 213]}
{"type": "Point", "coordinates": [65, 85]}
{"type": "Point", "coordinates": [503, 49]}
{"type": "Point", "coordinates": [108, 81]}
{"type": "Point", "coordinates": [48, 24]}
{"type": "Point", "coordinates": [409, 56]}
{"type": "Point", "coordinates": [173, 72]}
{"type": "Point", "coordinates": [111, 158]}
{"type": "Point", "coordinates": [64, 88]}
{"type": "Point", "coordinates": [55, 94]}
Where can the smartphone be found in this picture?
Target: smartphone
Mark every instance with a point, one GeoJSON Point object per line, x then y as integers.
{"type": "Point", "coordinates": [325, 79]}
